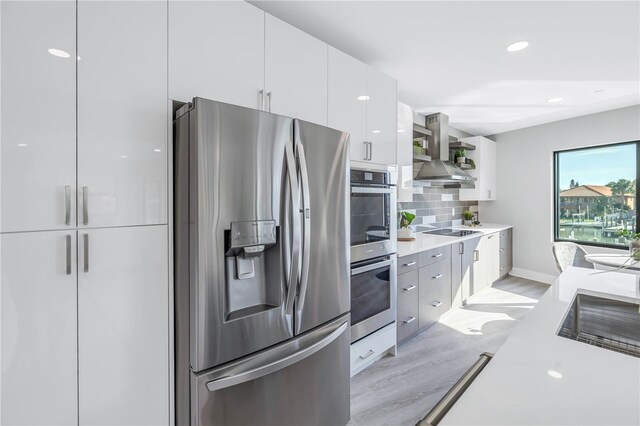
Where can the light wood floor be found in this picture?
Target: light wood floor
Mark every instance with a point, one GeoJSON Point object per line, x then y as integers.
{"type": "Point", "coordinates": [401, 390]}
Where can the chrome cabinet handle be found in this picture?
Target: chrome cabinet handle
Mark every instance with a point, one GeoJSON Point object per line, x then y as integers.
{"type": "Point", "coordinates": [476, 255]}
{"type": "Point", "coordinates": [371, 352]}
{"type": "Point", "coordinates": [370, 150]}
{"type": "Point", "coordinates": [269, 101]}
{"type": "Point", "coordinates": [490, 237]}
{"type": "Point", "coordinates": [411, 287]}
{"type": "Point", "coordinates": [85, 205]}
{"type": "Point", "coordinates": [409, 320]}
{"type": "Point", "coordinates": [85, 239]}
{"type": "Point", "coordinates": [461, 248]}
{"type": "Point", "coordinates": [67, 239]}
{"type": "Point", "coordinates": [67, 205]}
{"type": "Point", "coordinates": [501, 249]}
{"type": "Point", "coordinates": [366, 150]}
{"type": "Point", "coordinates": [436, 303]}
{"type": "Point", "coordinates": [409, 264]}
{"type": "Point", "coordinates": [436, 277]}
{"type": "Point", "coordinates": [436, 255]}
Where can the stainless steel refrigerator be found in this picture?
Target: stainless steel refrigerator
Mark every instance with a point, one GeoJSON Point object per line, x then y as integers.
{"type": "Point", "coordinates": [261, 268]}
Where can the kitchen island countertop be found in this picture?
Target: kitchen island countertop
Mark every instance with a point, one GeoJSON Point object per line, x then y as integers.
{"type": "Point", "coordinates": [539, 378]}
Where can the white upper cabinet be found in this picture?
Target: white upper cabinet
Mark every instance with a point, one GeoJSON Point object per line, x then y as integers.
{"type": "Point", "coordinates": [123, 326]}
{"type": "Point", "coordinates": [348, 100]}
{"type": "Point", "coordinates": [405, 153]}
{"type": "Point", "coordinates": [122, 113]}
{"type": "Point", "coordinates": [38, 115]}
{"type": "Point", "coordinates": [381, 117]}
{"type": "Point", "coordinates": [484, 157]}
{"type": "Point", "coordinates": [216, 51]}
{"type": "Point", "coordinates": [38, 328]}
{"type": "Point", "coordinates": [295, 72]}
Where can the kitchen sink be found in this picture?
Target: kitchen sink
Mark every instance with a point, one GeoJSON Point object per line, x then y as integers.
{"type": "Point", "coordinates": [605, 323]}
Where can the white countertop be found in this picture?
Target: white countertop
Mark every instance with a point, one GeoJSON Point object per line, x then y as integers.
{"type": "Point", "coordinates": [597, 387]}
{"type": "Point", "coordinates": [429, 241]}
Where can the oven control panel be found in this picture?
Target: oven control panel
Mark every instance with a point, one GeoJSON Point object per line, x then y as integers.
{"type": "Point", "coordinates": [369, 177]}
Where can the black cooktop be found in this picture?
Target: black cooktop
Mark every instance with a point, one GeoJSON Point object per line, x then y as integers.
{"type": "Point", "coordinates": [448, 232]}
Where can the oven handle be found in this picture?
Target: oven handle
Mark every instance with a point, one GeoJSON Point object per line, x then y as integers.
{"type": "Point", "coordinates": [370, 190]}
{"type": "Point", "coordinates": [368, 268]}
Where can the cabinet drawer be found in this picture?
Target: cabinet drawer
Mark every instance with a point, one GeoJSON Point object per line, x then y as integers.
{"type": "Point", "coordinates": [407, 320]}
{"type": "Point", "coordinates": [435, 255]}
{"type": "Point", "coordinates": [435, 276]}
{"type": "Point", "coordinates": [431, 309]}
{"type": "Point", "coordinates": [407, 263]}
{"type": "Point", "coordinates": [363, 351]}
{"type": "Point", "coordinates": [407, 287]}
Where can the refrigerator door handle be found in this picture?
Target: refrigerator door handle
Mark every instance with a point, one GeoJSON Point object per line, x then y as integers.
{"type": "Point", "coordinates": [279, 364]}
{"type": "Point", "coordinates": [306, 225]}
{"type": "Point", "coordinates": [294, 269]}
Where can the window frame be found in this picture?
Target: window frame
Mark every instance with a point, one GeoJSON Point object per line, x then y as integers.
{"type": "Point", "coordinates": [556, 193]}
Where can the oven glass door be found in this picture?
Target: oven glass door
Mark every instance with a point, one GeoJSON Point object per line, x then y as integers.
{"type": "Point", "coordinates": [370, 289]}
{"type": "Point", "coordinates": [370, 214]}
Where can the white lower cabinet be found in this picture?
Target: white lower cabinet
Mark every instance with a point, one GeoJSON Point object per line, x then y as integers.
{"type": "Point", "coordinates": [123, 332]}
{"type": "Point", "coordinates": [369, 349]}
{"type": "Point", "coordinates": [38, 334]}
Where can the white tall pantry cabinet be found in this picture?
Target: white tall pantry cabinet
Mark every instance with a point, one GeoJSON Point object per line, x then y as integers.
{"type": "Point", "coordinates": [84, 294]}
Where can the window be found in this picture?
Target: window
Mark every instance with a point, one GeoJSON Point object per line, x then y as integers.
{"type": "Point", "coordinates": [595, 194]}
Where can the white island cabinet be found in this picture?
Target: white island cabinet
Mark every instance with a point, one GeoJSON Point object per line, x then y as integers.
{"type": "Point", "coordinates": [122, 113]}
{"type": "Point", "coordinates": [38, 115]}
{"type": "Point", "coordinates": [38, 328]}
{"type": "Point", "coordinates": [295, 72]}
{"type": "Point", "coordinates": [216, 51]}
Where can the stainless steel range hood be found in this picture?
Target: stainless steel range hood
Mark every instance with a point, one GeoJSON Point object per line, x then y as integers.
{"type": "Point", "coordinates": [440, 171]}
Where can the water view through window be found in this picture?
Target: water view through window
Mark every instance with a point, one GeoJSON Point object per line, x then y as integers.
{"type": "Point", "coordinates": [595, 199]}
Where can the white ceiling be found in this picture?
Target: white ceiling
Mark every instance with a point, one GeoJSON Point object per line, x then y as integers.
{"type": "Point", "coordinates": [449, 56]}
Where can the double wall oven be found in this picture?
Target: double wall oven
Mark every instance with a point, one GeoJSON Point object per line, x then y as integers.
{"type": "Point", "coordinates": [373, 248]}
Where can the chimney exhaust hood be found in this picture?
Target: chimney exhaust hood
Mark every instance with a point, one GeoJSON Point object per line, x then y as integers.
{"type": "Point", "coordinates": [441, 171]}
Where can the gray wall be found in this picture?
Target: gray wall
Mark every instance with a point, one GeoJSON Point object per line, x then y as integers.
{"type": "Point", "coordinates": [525, 181]}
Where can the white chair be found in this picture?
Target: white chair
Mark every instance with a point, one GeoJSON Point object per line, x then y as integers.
{"type": "Point", "coordinates": [570, 254]}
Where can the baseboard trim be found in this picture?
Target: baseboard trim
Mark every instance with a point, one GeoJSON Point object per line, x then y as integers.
{"type": "Point", "coordinates": [532, 275]}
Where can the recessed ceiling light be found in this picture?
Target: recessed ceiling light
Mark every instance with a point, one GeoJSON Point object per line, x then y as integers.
{"type": "Point", "coordinates": [376, 131]}
{"type": "Point", "coordinates": [598, 91]}
{"type": "Point", "coordinates": [59, 53]}
{"type": "Point", "coordinates": [123, 156]}
{"type": "Point", "coordinates": [22, 145]}
{"type": "Point", "coordinates": [157, 150]}
{"type": "Point", "coordinates": [400, 130]}
{"type": "Point", "coordinates": [518, 45]}
{"type": "Point", "coordinates": [554, 374]}
{"type": "Point", "coordinates": [363, 98]}
{"type": "Point", "coordinates": [554, 100]}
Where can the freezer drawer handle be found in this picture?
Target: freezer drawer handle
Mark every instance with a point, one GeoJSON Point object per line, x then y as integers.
{"type": "Point", "coordinates": [272, 367]}
{"type": "Point", "coordinates": [371, 352]}
{"type": "Point", "coordinates": [444, 405]}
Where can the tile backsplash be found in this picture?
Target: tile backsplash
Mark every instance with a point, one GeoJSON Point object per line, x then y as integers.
{"type": "Point", "coordinates": [436, 207]}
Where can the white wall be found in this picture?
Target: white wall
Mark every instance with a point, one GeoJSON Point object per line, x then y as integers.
{"type": "Point", "coordinates": [525, 181]}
